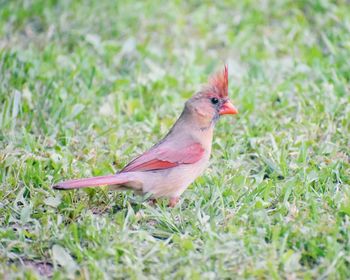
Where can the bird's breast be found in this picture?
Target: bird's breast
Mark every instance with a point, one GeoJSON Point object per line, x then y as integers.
{"type": "Point", "coordinates": [174, 181]}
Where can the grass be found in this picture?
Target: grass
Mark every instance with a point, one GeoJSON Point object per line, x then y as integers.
{"type": "Point", "coordinates": [87, 85]}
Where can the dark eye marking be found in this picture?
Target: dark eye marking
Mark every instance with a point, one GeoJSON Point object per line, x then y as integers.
{"type": "Point", "coordinates": [214, 100]}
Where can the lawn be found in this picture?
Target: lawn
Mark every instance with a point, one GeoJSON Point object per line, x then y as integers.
{"type": "Point", "coordinates": [87, 85]}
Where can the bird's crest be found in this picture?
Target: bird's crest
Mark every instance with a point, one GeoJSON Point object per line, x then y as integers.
{"type": "Point", "coordinates": [218, 84]}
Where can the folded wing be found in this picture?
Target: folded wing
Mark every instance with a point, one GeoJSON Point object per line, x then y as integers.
{"type": "Point", "coordinates": [164, 157]}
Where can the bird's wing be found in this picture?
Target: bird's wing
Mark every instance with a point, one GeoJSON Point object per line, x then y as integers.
{"type": "Point", "coordinates": [163, 157]}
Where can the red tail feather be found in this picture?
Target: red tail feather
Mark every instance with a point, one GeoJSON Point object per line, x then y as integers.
{"type": "Point", "coordinates": [91, 182]}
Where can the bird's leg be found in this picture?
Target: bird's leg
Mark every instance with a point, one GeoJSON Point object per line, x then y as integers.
{"type": "Point", "coordinates": [173, 201]}
{"type": "Point", "coordinates": [152, 201]}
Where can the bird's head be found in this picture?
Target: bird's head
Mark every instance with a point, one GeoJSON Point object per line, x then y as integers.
{"type": "Point", "coordinates": [212, 101]}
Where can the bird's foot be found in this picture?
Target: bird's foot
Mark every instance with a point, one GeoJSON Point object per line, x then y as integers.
{"type": "Point", "coordinates": [173, 201]}
{"type": "Point", "coordinates": [152, 201]}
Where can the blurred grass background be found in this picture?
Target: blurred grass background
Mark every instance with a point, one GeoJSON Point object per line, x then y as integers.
{"type": "Point", "coordinates": [87, 85]}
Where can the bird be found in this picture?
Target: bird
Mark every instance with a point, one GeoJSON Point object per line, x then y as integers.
{"type": "Point", "coordinates": [171, 165]}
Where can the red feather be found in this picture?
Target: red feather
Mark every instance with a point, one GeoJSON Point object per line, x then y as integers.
{"type": "Point", "coordinates": [91, 182]}
{"type": "Point", "coordinates": [163, 158]}
{"type": "Point", "coordinates": [218, 84]}
{"type": "Point", "coordinates": [153, 165]}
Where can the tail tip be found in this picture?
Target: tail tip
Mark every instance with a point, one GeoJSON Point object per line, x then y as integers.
{"type": "Point", "coordinates": [58, 187]}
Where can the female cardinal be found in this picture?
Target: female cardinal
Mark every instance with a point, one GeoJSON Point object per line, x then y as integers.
{"type": "Point", "coordinates": [170, 166]}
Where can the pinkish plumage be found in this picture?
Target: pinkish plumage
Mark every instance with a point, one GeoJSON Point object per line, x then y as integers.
{"type": "Point", "coordinates": [160, 158]}
{"type": "Point", "coordinates": [169, 167]}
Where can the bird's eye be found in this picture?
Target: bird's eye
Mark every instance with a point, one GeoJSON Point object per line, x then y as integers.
{"type": "Point", "coordinates": [214, 100]}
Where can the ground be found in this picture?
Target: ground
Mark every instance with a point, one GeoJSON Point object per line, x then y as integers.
{"type": "Point", "coordinates": [87, 85]}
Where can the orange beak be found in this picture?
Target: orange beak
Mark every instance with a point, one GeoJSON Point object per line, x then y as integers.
{"type": "Point", "coordinates": [228, 109]}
